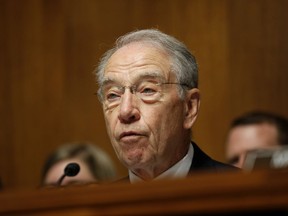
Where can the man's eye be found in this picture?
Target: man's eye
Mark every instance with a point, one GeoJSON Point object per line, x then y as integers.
{"type": "Point", "coordinates": [112, 96]}
{"type": "Point", "coordinates": [233, 160]}
{"type": "Point", "coordinates": [148, 90]}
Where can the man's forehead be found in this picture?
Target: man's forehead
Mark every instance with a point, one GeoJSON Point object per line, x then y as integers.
{"type": "Point", "coordinates": [137, 63]}
{"type": "Point", "coordinates": [144, 75]}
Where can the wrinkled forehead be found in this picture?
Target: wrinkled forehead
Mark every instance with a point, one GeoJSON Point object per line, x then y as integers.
{"type": "Point", "coordinates": [138, 60]}
{"type": "Point", "coordinates": [135, 78]}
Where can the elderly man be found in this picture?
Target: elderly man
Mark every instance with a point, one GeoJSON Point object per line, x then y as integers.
{"type": "Point", "coordinates": [148, 88]}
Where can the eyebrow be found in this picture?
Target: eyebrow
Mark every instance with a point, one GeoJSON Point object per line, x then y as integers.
{"type": "Point", "coordinates": [146, 75]}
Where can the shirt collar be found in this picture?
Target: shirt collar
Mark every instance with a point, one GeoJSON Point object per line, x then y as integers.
{"type": "Point", "coordinates": [179, 170]}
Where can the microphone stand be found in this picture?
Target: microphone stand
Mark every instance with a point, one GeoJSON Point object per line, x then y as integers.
{"type": "Point", "coordinates": [60, 179]}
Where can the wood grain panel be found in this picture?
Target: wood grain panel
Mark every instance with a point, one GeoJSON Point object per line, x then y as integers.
{"type": "Point", "coordinates": [50, 48]}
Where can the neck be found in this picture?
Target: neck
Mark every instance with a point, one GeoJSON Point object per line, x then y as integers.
{"type": "Point", "coordinates": [151, 172]}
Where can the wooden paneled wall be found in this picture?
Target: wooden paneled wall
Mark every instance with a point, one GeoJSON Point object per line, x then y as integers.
{"type": "Point", "coordinates": [49, 48]}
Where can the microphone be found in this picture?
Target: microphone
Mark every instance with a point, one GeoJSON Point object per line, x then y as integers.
{"type": "Point", "coordinates": [72, 169]}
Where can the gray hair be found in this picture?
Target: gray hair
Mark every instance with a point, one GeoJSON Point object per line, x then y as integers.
{"type": "Point", "coordinates": [183, 63]}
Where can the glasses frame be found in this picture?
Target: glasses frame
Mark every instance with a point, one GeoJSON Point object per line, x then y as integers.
{"type": "Point", "coordinates": [133, 89]}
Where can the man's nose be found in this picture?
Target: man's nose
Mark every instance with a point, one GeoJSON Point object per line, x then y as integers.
{"type": "Point", "coordinates": [129, 110]}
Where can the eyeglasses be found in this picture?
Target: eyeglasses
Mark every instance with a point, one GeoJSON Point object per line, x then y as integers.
{"type": "Point", "coordinates": [147, 91]}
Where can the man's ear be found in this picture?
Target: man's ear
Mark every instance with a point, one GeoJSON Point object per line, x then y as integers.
{"type": "Point", "coordinates": [192, 104]}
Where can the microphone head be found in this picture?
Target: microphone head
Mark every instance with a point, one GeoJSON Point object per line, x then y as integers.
{"type": "Point", "coordinates": [72, 169]}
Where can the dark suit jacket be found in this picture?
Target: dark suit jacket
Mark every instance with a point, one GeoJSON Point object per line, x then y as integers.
{"type": "Point", "coordinates": [202, 162]}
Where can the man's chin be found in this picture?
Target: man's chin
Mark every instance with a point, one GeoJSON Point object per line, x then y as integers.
{"type": "Point", "coordinates": [134, 159]}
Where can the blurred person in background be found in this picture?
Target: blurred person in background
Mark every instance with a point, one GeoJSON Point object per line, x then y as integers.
{"type": "Point", "coordinates": [95, 165]}
{"type": "Point", "coordinates": [253, 131]}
